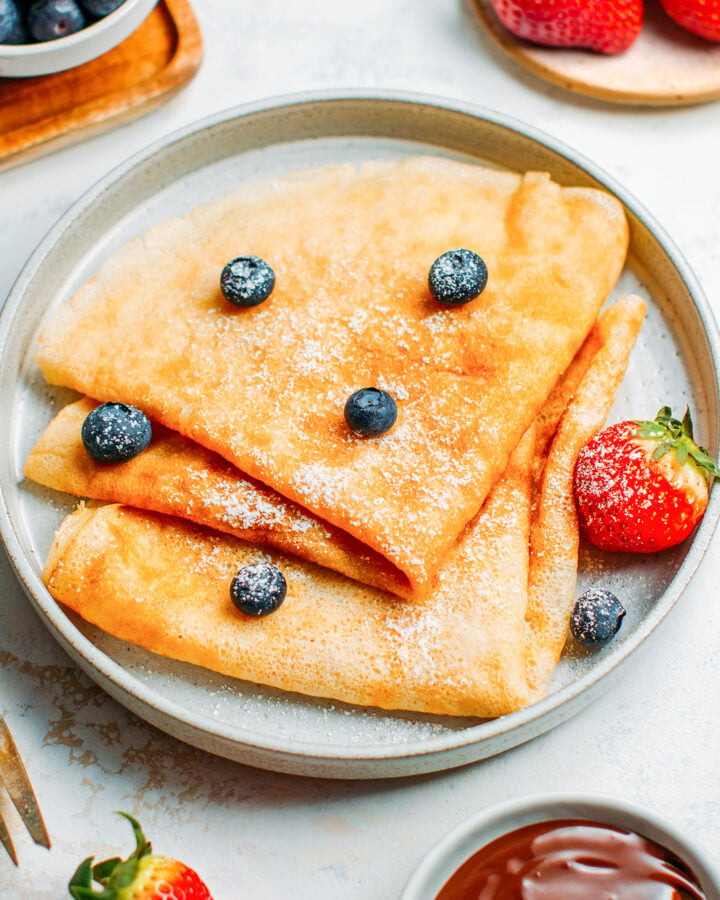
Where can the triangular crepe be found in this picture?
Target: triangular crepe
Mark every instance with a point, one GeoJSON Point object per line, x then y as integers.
{"type": "Point", "coordinates": [178, 477]}
{"type": "Point", "coordinates": [351, 246]}
{"type": "Point", "coordinates": [484, 644]}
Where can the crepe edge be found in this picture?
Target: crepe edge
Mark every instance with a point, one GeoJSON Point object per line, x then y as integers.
{"type": "Point", "coordinates": [58, 461]}
{"type": "Point", "coordinates": [552, 587]}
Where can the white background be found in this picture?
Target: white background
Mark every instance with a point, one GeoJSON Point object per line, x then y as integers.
{"type": "Point", "coordinates": [654, 739]}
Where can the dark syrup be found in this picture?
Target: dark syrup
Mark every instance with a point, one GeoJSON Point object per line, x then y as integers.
{"type": "Point", "coordinates": [572, 859]}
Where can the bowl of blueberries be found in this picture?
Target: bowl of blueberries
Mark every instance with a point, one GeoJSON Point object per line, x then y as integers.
{"type": "Point", "coordinates": [38, 37]}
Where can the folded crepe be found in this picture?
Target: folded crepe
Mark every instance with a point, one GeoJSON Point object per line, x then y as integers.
{"type": "Point", "coordinates": [163, 583]}
{"type": "Point", "coordinates": [484, 644]}
{"type": "Point", "coordinates": [351, 247]}
{"type": "Point", "coordinates": [178, 477]}
{"type": "Point", "coordinates": [555, 535]}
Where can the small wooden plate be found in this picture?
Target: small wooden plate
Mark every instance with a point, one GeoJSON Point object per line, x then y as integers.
{"type": "Point", "coordinates": [43, 113]}
{"type": "Point", "coordinates": [666, 65]}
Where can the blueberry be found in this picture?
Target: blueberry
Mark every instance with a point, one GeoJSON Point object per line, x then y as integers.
{"type": "Point", "coordinates": [457, 277]}
{"type": "Point", "coordinates": [258, 589]}
{"type": "Point", "coordinates": [596, 618]}
{"type": "Point", "coordinates": [247, 281]}
{"type": "Point", "coordinates": [19, 35]}
{"type": "Point", "coordinates": [9, 21]}
{"type": "Point", "coordinates": [114, 432]}
{"type": "Point", "coordinates": [100, 8]}
{"type": "Point", "coordinates": [370, 412]}
{"type": "Point", "coordinates": [52, 19]}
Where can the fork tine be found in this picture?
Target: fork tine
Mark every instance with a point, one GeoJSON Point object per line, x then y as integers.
{"type": "Point", "coordinates": [6, 842]}
{"type": "Point", "coordinates": [15, 779]}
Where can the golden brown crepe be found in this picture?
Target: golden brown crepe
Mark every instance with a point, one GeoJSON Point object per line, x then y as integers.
{"type": "Point", "coordinates": [164, 583]}
{"type": "Point", "coordinates": [176, 476]}
{"type": "Point", "coordinates": [483, 644]}
{"type": "Point", "coordinates": [351, 246]}
{"type": "Point", "coordinates": [555, 533]}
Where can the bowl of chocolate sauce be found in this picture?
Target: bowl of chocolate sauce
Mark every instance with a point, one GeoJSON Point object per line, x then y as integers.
{"type": "Point", "coordinates": [566, 847]}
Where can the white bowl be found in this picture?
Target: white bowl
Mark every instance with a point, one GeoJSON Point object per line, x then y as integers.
{"type": "Point", "coordinates": [23, 60]}
{"type": "Point", "coordinates": [495, 821]}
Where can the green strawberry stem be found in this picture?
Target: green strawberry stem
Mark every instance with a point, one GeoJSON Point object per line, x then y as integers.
{"type": "Point", "coordinates": [114, 874]}
{"type": "Point", "coordinates": [675, 435]}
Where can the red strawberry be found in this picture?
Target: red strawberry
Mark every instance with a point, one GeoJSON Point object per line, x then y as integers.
{"type": "Point", "coordinates": [642, 486]}
{"type": "Point", "coordinates": [700, 16]}
{"type": "Point", "coordinates": [142, 876]}
{"type": "Point", "coordinates": [608, 26]}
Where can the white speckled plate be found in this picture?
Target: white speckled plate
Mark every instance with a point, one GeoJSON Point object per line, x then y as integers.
{"type": "Point", "coordinates": [675, 363]}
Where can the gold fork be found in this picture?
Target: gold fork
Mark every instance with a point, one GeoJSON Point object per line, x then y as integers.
{"type": "Point", "coordinates": [17, 783]}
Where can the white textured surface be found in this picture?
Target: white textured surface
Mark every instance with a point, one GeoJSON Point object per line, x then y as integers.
{"type": "Point", "coordinates": [654, 739]}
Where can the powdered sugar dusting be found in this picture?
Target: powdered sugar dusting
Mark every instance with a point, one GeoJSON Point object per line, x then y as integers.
{"type": "Point", "coordinates": [256, 511]}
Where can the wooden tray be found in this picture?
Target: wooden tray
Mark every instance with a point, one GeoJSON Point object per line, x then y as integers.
{"type": "Point", "coordinates": [666, 65]}
{"type": "Point", "coordinates": [43, 113]}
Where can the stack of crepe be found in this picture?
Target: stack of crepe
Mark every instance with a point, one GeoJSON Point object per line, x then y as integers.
{"type": "Point", "coordinates": [430, 569]}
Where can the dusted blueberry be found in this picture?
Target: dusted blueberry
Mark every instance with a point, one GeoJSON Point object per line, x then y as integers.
{"type": "Point", "coordinates": [247, 281]}
{"type": "Point", "coordinates": [100, 8]}
{"type": "Point", "coordinates": [258, 589]}
{"type": "Point", "coordinates": [52, 19]}
{"type": "Point", "coordinates": [114, 432]}
{"type": "Point", "coordinates": [596, 618]}
{"type": "Point", "coordinates": [10, 21]}
{"type": "Point", "coordinates": [457, 277]}
{"type": "Point", "coordinates": [370, 412]}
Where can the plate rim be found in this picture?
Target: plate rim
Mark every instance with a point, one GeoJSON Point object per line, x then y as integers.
{"type": "Point", "coordinates": [561, 703]}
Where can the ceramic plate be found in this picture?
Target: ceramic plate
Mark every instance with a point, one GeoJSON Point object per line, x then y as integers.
{"type": "Point", "coordinates": [675, 362]}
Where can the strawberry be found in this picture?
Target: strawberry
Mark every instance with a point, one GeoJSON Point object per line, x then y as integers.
{"type": "Point", "coordinates": [699, 16]}
{"type": "Point", "coordinates": [608, 26]}
{"type": "Point", "coordinates": [142, 876]}
{"type": "Point", "coordinates": [642, 486]}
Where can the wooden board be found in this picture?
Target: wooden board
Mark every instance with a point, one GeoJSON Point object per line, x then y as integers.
{"type": "Point", "coordinates": [42, 113]}
{"type": "Point", "coordinates": [666, 65]}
